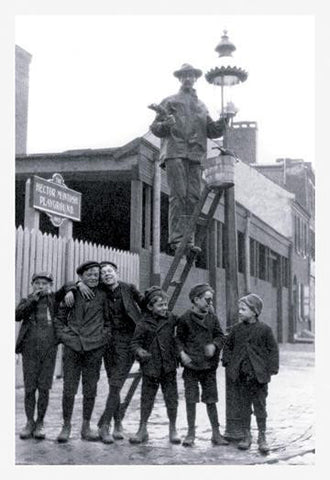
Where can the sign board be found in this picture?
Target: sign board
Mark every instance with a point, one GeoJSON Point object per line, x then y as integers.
{"type": "Point", "coordinates": [56, 199]}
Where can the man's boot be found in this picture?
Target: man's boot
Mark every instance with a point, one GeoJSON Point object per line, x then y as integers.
{"type": "Point", "coordinates": [87, 433]}
{"type": "Point", "coordinates": [28, 430]}
{"type": "Point", "coordinates": [39, 432]}
{"type": "Point", "coordinates": [189, 440]}
{"type": "Point", "coordinates": [262, 442]}
{"type": "Point", "coordinates": [173, 434]}
{"type": "Point", "coordinates": [104, 434]}
{"type": "Point", "coordinates": [217, 438]}
{"type": "Point", "coordinates": [246, 441]}
{"type": "Point", "coordinates": [64, 433]}
{"type": "Point", "coordinates": [118, 431]}
{"type": "Point", "coordinates": [140, 437]}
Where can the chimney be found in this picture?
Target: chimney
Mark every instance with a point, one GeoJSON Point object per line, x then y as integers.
{"type": "Point", "coordinates": [242, 139]}
{"type": "Point", "coordinates": [22, 66]}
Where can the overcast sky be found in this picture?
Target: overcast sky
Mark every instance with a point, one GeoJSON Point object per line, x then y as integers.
{"type": "Point", "coordinates": [92, 77]}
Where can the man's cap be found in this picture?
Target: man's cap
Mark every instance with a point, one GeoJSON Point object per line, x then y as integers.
{"type": "Point", "coordinates": [107, 262]}
{"type": "Point", "coordinates": [254, 302]}
{"type": "Point", "coordinates": [86, 265]}
{"type": "Point", "coordinates": [152, 292]}
{"type": "Point", "coordinates": [186, 67]}
{"type": "Point", "coordinates": [46, 275]}
{"type": "Point", "coordinates": [199, 289]}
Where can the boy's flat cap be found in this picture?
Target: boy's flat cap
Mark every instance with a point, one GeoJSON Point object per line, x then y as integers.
{"type": "Point", "coordinates": [199, 289]}
{"type": "Point", "coordinates": [86, 265]}
{"type": "Point", "coordinates": [46, 275]}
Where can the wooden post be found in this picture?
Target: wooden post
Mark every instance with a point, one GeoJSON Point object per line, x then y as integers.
{"type": "Point", "coordinates": [136, 216]}
{"type": "Point", "coordinates": [233, 422]}
{"type": "Point", "coordinates": [65, 230]}
{"type": "Point", "coordinates": [31, 215]}
{"type": "Point", "coordinates": [155, 272]}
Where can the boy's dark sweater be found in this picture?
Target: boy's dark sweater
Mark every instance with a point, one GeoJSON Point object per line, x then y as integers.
{"type": "Point", "coordinates": [256, 343]}
{"type": "Point", "coordinates": [156, 336]}
{"type": "Point", "coordinates": [194, 333]}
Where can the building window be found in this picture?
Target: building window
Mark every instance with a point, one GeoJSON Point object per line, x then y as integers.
{"type": "Point", "coordinates": [273, 266]}
{"type": "Point", "coordinates": [241, 252]}
{"type": "Point", "coordinates": [285, 272]}
{"type": "Point", "coordinates": [262, 262]}
{"type": "Point", "coordinates": [253, 270]}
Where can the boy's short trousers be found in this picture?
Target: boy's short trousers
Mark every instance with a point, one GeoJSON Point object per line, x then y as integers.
{"type": "Point", "coordinates": [207, 379]}
{"type": "Point", "coordinates": [86, 365]}
{"type": "Point", "coordinates": [169, 386]}
{"type": "Point", "coordinates": [118, 361]}
{"type": "Point", "coordinates": [38, 368]}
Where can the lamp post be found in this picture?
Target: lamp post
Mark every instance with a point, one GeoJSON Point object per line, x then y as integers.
{"type": "Point", "coordinates": [228, 75]}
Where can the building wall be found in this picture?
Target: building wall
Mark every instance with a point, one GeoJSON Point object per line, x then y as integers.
{"type": "Point", "coordinates": [263, 198]}
{"type": "Point", "coordinates": [22, 65]}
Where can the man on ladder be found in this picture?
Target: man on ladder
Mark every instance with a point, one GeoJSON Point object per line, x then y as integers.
{"type": "Point", "coordinates": [184, 124]}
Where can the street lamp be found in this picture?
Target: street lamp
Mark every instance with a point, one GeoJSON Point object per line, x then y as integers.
{"type": "Point", "coordinates": [227, 75]}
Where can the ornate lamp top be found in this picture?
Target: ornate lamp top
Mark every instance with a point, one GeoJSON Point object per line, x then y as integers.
{"type": "Point", "coordinates": [226, 74]}
{"type": "Point", "coordinates": [225, 48]}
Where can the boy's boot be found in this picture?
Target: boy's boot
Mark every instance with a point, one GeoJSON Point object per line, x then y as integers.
{"type": "Point", "coordinates": [104, 434]}
{"type": "Point", "coordinates": [141, 436]}
{"type": "Point", "coordinates": [28, 430]}
{"type": "Point", "coordinates": [64, 433]}
{"type": "Point", "coordinates": [189, 440]}
{"type": "Point", "coordinates": [173, 434]}
{"type": "Point", "coordinates": [262, 442]}
{"type": "Point", "coordinates": [87, 433]}
{"type": "Point", "coordinates": [217, 438]}
{"type": "Point", "coordinates": [39, 432]}
{"type": "Point", "coordinates": [118, 431]}
{"type": "Point", "coordinates": [246, 441]}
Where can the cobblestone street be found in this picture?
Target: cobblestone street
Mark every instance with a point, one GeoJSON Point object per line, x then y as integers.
{"type": "Point", "coordinates": [290, 426]}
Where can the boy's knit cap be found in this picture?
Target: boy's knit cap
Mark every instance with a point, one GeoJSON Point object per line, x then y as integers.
{"type": "Point", "coordinates": [253, 301]}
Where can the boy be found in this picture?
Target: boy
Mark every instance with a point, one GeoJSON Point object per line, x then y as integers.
{"type": "Point", "coordinates": [154, 346]}
{"type": "Point", "coordinates": [200, 340]}
{"type": "Point", "coordinates": [84, 330]}
{"type": "Point", "coordinates": [37, 343]}
{"type": "Point", "coordinates": [251, 357]}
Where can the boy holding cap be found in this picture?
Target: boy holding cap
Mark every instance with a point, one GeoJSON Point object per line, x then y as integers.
{"type": "Point", "coordinates": [37, 343]}
{"type": "Point", "coordinates": [251, 356]}
{"type": "Point", "coordinates": [155, 348]}
{"type": "Point", "coordinates": [84, 330]}
{"type": "Point", "coordinates": [200, 340]}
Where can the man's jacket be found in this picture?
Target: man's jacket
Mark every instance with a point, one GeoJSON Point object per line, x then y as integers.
{"type": "Point", "coordinates": [86, 326]}
{"type": "Point", "coordinates": [26, 309]}
{"type": "Point", "coordinates": [158, 338]}
{"type": "Point", "coordinates": [193, 125]}
{"type": "Point", "coordinates": [132, 300]}
{"type": "Point", "coordinates": [194, 333]}
{"type": "Point", "coordinates": [258, 342]}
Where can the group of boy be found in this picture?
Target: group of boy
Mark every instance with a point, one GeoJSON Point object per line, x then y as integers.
{"type": "Point", "coordinates": [100, 317]}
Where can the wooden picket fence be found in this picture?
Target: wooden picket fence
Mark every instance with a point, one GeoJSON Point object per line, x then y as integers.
{"type": "Point", "coordinates": [37, 251]}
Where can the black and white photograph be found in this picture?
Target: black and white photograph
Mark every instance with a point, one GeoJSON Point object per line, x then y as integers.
{"type": "Point", "coordinates": [164, 232]}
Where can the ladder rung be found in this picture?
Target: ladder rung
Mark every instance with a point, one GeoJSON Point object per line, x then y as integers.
{"type": "Point", "coordinates": [175, 283]}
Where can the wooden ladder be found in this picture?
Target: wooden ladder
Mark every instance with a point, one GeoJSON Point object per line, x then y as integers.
{"type": "Point", "coordinates": [204, 221]}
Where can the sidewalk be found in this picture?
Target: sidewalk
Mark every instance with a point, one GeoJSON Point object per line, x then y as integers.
{"type": "Point", "coordinates": [290, 426]}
